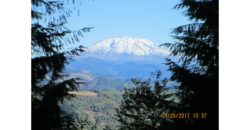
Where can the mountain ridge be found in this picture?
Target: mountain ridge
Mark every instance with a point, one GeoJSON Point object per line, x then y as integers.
{"type": "Point", "coordinates": [125, 46]}
{"type": "Point", "coordinates": [117, 60]}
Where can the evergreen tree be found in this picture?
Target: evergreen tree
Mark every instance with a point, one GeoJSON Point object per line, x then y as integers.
{"type": "Point", "coordinates": [196, 74]}
{"type": "Point", "coordinates": [50, 84]}
{"type": "Point", "coordinates": [197, 70]}
{"type": "Point", "coordinates": [142, 106]}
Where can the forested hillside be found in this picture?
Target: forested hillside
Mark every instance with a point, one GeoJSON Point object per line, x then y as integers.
{"type": "Point", "coordinates": [97, 108]}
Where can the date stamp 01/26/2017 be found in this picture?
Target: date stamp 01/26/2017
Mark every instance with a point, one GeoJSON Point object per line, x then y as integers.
{"type": "Point", "coordinates": [184, 115]}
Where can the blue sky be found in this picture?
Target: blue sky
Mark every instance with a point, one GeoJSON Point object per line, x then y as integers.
{"type": "Point", "coordinates": [149, 19]}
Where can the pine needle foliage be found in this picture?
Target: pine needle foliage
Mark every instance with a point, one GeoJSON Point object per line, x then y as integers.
{"type": "Point", "coordinates": [50, 53]}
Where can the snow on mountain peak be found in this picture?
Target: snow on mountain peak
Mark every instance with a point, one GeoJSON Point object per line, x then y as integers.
{"type": "Point", "coordinates": [126, 45]}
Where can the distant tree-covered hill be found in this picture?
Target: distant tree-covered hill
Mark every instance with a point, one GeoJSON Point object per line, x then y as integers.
{"type": "Point", "coordinates": [97, 108]}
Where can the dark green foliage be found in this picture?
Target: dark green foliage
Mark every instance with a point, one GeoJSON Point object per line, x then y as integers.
{"type": "Point", "coordinates": [49, 56]}
{"type": "Point", "coordinates": [196, 74]}
{"type": "Point", "coordinates": [198, 42]}
{"type": "Point", "coordinates": [142, 106]}
{"type": "Point", "coordinates": [197, 71]}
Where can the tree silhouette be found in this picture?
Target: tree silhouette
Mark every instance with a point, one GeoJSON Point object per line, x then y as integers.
{"type": "Point", "coordinates": [196, 74]}
{"type": "Point", "coordinates": [142, 106]}
{"type": "Point", "coordinates": [50, 84]}
{"type": "Point", "coordinates": [197, 70]}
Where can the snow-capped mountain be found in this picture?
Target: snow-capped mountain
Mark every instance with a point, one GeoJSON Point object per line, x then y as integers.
{"type": "Point", "coordinates": [122, 58]}
{"type": "Point", "coordinates": [129, 46]}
